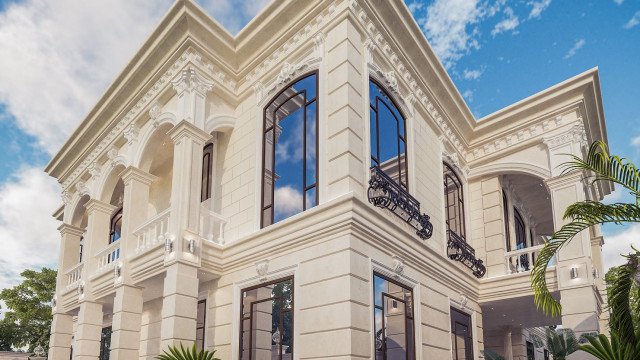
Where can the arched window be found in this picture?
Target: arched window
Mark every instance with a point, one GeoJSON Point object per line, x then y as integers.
{"type": "Point", "coordinates": [521, 232]}
{"type": "Point", "coordinates": [115, 231]}
{"type": "Point", "coordinates": [388, 135]}
{"type": "Point", "coordinates": [454, 202]}
{"type": "Point", "coordinates": [290, 143]}
{"type": "Point", "coordinates": [207, 162]}
{"type": "Point", "coordinates": [507, 232]}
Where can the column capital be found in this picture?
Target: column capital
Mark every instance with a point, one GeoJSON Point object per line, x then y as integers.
{"type": "Point", "coordinates": [94, 205]}
{"type": "Point", "coordinates": [565, 180]}
{"type": "Point", "coordinates": [132, 173]}
{"type": "Point", "coordinates": [67, 229]}
{"type": "Point", "coordinates": [185, 129]}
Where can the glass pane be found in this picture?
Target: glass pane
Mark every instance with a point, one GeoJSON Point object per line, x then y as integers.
{"type": "Point", "coordinates": [310, 148]}
{"type": "Point", "coordinates": [289, 166]}
{"type": "Point", "coordinates": [378, 334]}
{"type": "Point", "coordinates": [379, 286]}
{"type": "Point", "coordinates": [201, 313]}
{"type": "Point", "coordinates": [403, 163]}
{"type": "Point", "coordinates": [307, 84]}
{"type": "Point", "coordinates": [374, 137]}
{"type": "Point", "coordinates": [395, 329]}
{"type": "Point", "coordinates": [268, 168]}
{"type": "Point", "coordinates": [262, 331]}
{"type": "Point", "coordinates": [310, 198]}
{"type": "Point", "coordinates": [287, 335]}
{"type": "Point", "coordinates": [388, 140]}
{"type": "Point", "coordinates": [200, 339]}
{"type": "Point", "coordinates": [266, 216]}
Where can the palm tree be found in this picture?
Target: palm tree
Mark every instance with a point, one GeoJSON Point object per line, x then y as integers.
{"type": "Point", "coordinates": [561, 343]}
{"type": "Point", "coordinates": [182, 353]}
{"type": "Point", "coordinates": [600, 166]}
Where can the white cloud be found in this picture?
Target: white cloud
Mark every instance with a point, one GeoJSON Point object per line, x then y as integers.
{"type": "Point", "coordinates": [620, 243]}
{"type": "Point", "coordinates": [60, 56]}
{"type": "Point", "coordinates": [509, 23]}
{"type": "Point", "coordinates": [63, 54]}
{"type": "Point", "coordinates": [450, 26]}
{"type": "Point", "coordinates": [537, 7]}
{"type": "Point", "coordinates": [472, 74]}
{"type": "Point", "coordinates": [288, 201]}
{"type": "Point", "coordinates": [635, 141]}
{"type": "Point", "coordinates": [468, 94]}
{"type": "Point", "coordinates": [618, 2]}
{"type": "Point", "coordinates": [577, 46]}
{"type": "Point", "coordinates": [27, 229]}
{"type": "Point", "coordinates": [634, 21]}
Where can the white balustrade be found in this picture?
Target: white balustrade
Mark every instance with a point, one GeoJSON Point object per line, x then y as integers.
{"type": "Point", "coordinates": [108, 256]}
{"type": "Point", "coordinates": [212, 225]}
{"type": "Point", "coordinates": [151, 233]}
{"type": "Point", "coordinates": [522, 260]}
{"type": "Point", "coordinates": [74, 275]}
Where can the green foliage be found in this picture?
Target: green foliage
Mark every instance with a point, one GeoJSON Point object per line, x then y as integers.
{"type": "Point", "coordinates": [28, 320]}
{"type": "Point", "coordinates": [561, 343]}
{"type": "Point", "coordinates": [617, 277]}
{"type": "Point", "coordinates": [182, 353]}
{"type": "Point", "coordinates": [601, 348]}
{"type": "Point", "coordinates": [6, 337]}
{"type": "Point", "coordinates": [492, 355]}
{"type": "Point", "coordinates": [600, 166]}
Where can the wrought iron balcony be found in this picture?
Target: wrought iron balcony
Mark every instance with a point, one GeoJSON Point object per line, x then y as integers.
{"type": "Point", "coordinates": [384, 192]}
{"type": "Point", "coordinates": [459, 250]}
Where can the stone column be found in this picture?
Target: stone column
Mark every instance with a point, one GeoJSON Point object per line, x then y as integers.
{"type": "Point", "coordinates": [127, 317]}
{"type": "Point", "coordinates": [489, 222]}
{"type": "Point", "coordinates": [187, 176]}
{"type": "Point", "coordinates": [69, 253]}
{"type": "Point", "coordinates": [135, 203]}
{"type": "Point", "coordinates": [578, 296]}
{"type": "Point", "coordinates": [192, 88]}
{"type": "Point", "coordinates": [508, 345]}
{"type": "Point", "coordinates": [61, 334]}
{"type": "Point", "coordinates": [346, 76]}
{"type": "Point", "coordinates": [88, 331]}
{"type": "Point", "coordinates": [179, 305]}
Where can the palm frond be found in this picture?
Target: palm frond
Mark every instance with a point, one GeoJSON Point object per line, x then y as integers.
{"type": "Point", "coordinates": [583, 215]}
{"type": "Point", "coordinates": [607, 167]}
{"type": "Point", "coordinates": [619, 291]}
{"type": "Point", "coordinates": [603, 349]}
{"type": "Point", "coordinates": [182, 353]}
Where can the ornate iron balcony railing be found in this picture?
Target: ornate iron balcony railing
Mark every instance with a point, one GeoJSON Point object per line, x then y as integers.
{"type": "Point", "coordinates": [384, 192]}
{"type": "Point", "coordinates": [459, 250]}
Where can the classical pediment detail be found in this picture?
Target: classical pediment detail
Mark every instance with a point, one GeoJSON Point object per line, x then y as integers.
{"type": "Point", "coordinates": [576, 134]}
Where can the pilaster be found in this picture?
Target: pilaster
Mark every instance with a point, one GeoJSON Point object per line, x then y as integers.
{"type": "Point", "coordinates": [97, 237]}
{"type": "Point", "coordinates": [88, 331]}
{"type": "Point", "coordinates": [179, 305]}
{"type": "Point", "coordinates": [127, 317]}
{"type": "Point", "coordinates": [187, 176]}
{"type": "Point", "coordinates": [69, 252]}
{"type": "Point", "coordinates": [61, 334]}
{"type": "Point", "coordinates": [192, 88]}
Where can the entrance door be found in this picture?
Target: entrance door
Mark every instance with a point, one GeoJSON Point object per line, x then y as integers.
{"type": "Point", "coordinates": [461, 335]}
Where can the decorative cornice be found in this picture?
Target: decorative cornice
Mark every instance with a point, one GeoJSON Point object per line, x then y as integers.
{"type": "Point", "coordinates": [94, 205]}
{"type": "Point", "coordinates": [377, 43]}
{"type": "Point", "coordinates": [148, 101]}
{"type": "Point", "coordinates": [186, 129]}
{"type": "Point", "coordinates": [66, 229]}
{"type": "Point", "coordinates": [131, 134]}
{"type": "Point", "coordinates": [576, 134]}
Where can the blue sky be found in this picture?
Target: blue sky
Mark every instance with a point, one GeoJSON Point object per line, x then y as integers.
{"type": "Point", "coordinates": [59, 56]}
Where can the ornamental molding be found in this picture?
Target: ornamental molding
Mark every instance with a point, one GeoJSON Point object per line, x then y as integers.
{"type": "Point", "coordinates": [262, 268]}
{"type": "Point", "coordinates": [293, 43]}
{"type": "Point", "coordinates": [398, 266]}
{"type": "Point", "coordinates": [131, 134]}
{"type": "Point", "coordinates": [149, 103]}
{"type": "Point", "coordinates": [376, 43]}
{"type": "Point", "coordinates": [288, 72]}
{"type": "Point", "coordinates": [576, 134]}
{"type": "Point", "coordinates": [191, 80]}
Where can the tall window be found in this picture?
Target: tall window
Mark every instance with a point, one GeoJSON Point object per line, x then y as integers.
{"type": "Point", "coordinates": [454, 202]}
{"type": "Point", "coordinates": [531, 351]}
{"type": "Point", "coordinates": [266, 326]}
{"type": "Point", "coordinates": [505, 214]}
{"type": "Point", "coordinates": [105, 343]}
{"type": "Point", "coordinates": [201, 320]}
{"type": "Point", "coordinates": [207, 162]}
{"type": "Point", "coordinates": [461, 335]}
{"type": "Point", "coordinates": [521, 232]}
{"type": "Point", "coordinates": [115, 230]}
{"type": "Point", "coordinates": [388, 135]}
{"type": "Point", "coordinates": [81, 249]}
{"type": "Point", "coordinates": [394, 322]}
{"type": "Point", "coordinates": [290, 143]}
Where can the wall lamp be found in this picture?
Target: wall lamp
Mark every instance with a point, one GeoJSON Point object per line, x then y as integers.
{"type": "Point", "coordinates": [573, 273]}
{"type": "Point", "coordinates": [168, 244]}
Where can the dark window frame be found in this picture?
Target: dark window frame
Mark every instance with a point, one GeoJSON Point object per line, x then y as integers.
{"type": "Point", "coordinates": [242, 318]}
{"type": "Point", "coordinates": [456, 314]}
{"type": "Point", "coordinates": [407, 315]}
{"type": "Point", "coordinates": [521, 229]}
{"type": "Point", "coordinates": [531, 351]}
{"type": "Point", "coordinates": [459, 205]}
{"type": "Point", "coordinates": [507, 230]}
{"type": "Point", "coordinates": [105, 343]}
{"type": "Point", "coordinates": [272, 128]}
{"type": "Point", "coordinates": [207, 171]}
{"type": "Point", "coordinates": [115, 218]}
{"type": "Point", "coordinates": [400, 138]}
{"type": "Point", "coordinates": [204, 325]}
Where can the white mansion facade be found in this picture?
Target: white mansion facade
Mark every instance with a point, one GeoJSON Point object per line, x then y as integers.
{"type": "Point", "coordinates": [316, 188]}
